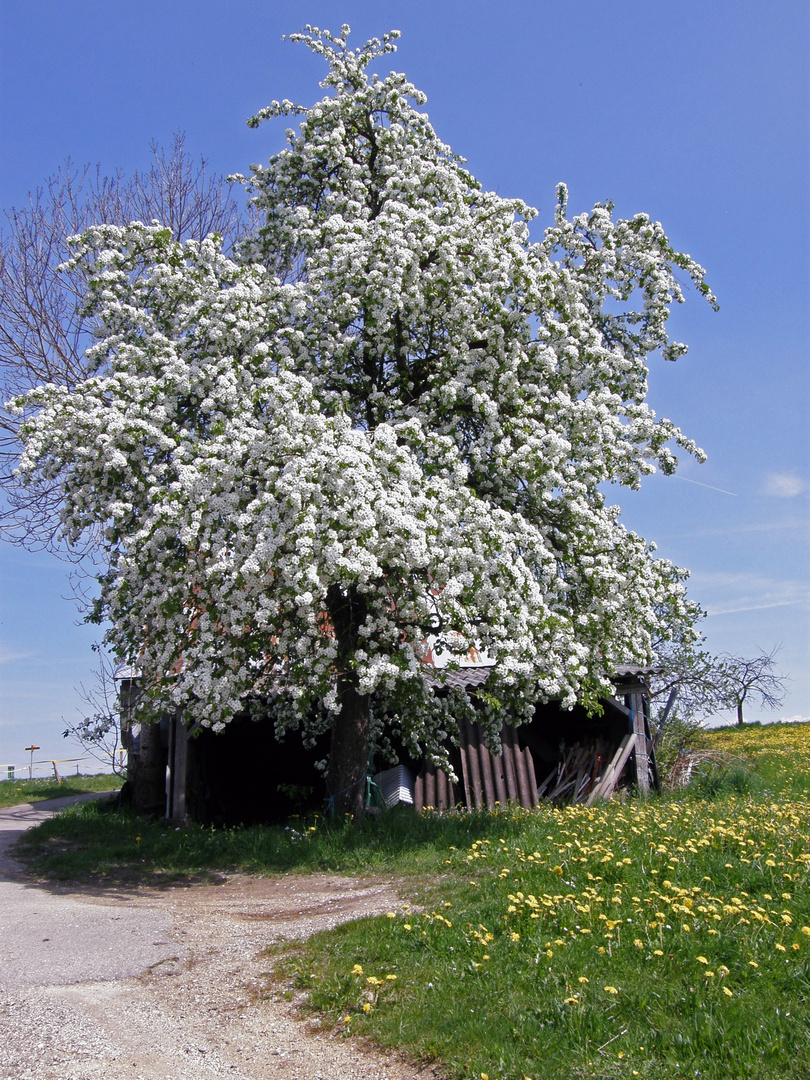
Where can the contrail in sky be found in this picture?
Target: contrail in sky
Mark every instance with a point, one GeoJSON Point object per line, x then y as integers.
{"type": "Point", "coordinates": [709, 486]}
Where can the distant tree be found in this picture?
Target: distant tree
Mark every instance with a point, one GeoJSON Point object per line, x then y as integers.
{"type": "Point", "coordinates": [44, 333]}
{"type": "Point", "coordinates": [689, 684]}
{"type": "Point", "coordinates": [390, 416]}
{"type": "Point", "coordinates": [752, 679]}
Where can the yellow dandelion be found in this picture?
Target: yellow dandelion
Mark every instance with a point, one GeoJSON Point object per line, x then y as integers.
{"type": "Point", "coordinates": [485, 956]}
{"type": "Point", "coordinates": [781, 948]}
{"type": "Point", "coordinates": [753, 964]}
{"type": "Point", "coordinates": [407, 926]}
{"type": "Point", "coordinates": [702, 960]}
{"type": "Point", "coordinates": [727, 992]}
{"type": "Point", "coordinates": [357, 970]}
{"type": "Point", "coordinates": [514, 936]}
{"type": "Point", "coordinates": [806, 930]}
{"type": "Point", "coordinates": [658, 952]}
{"type": "Point", "coordinates": [391, 978]}
{"type": "Point", "coordinates": [367, 1007]}
{"type": "Point", "coordinates": [709, 974]}
{"type": "Point", "coordinates": [611, 990]}
{"type": "Point", "coordinates": [549, 953]}
{"type": "Point", "coordinates": [639, 944]}
{"type": "Point", "coordinates": [583, 979]}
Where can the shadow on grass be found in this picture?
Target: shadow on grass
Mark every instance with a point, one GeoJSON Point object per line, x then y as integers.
{"type": "Point", "coordinates": [105, 848]}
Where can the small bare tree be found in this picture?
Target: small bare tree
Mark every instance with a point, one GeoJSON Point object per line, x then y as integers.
{"type": "Point", "coordinates": [756, 678]}
{"type": "Point", "coordinates": [99, 731]}
{"type": "Point", "coordinates": [43, 335]}
{"type": "Point", "coordinates": [690, 684]}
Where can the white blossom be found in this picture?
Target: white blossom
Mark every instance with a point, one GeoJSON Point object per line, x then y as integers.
{"type": "Point", "coordinates": [392, 391]}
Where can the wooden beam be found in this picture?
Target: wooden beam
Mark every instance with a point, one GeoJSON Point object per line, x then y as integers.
{"type": "Point", "coordinates": [642, 758]}
{"type": "Point", "coordinates": [604, 789]}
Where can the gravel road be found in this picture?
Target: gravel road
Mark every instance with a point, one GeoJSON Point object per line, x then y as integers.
{"type": "Point", "coordinates": [167, 985]}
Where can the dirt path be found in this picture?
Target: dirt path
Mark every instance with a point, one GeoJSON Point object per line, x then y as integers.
{"type": "Point", "coordinates": [197, 1005]}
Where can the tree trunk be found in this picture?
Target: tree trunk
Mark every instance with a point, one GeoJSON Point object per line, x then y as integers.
{"type": "Point", "coordinates": [348, 755]}
{"type": "Point", "coordinates": [740, 713]}
{"type": "Point", "coordinates": [147, 772]}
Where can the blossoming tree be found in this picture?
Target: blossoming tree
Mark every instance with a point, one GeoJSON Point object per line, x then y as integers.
{"type": "Point", "coordinates": [388, 418]}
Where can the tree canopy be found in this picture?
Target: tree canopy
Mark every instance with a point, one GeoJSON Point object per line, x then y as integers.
{"type": "Point", "coordinates": [388, 416]}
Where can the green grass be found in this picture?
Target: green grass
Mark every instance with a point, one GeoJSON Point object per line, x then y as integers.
{"type": "Point", "coordinates": [566, 942]}
{"type": "Point", "coordinates": [577, 943]}
{"type": "Point", "coordinates": [13, 792]}
{"type": "Point", "coordinates": [101, 843]}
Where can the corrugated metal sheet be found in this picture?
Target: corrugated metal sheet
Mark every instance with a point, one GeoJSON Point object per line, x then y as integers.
{"type": "Point", "coordinates": [585, 772]}
{"type": "Point", "coordinates": [486, 780]}
{"type": "Point", "coordinates": [395, 786]}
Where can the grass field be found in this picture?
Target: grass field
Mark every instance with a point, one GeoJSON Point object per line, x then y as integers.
{"type": "Point", "coordinates": [13, 792]}
{"type": "Point", "coordinates": [658, 939]}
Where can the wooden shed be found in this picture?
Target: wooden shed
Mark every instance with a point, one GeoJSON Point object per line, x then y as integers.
{"type": "Point", "coordinates": [245, 775]}
{"type": "Point", "coordinates": [562, 754]}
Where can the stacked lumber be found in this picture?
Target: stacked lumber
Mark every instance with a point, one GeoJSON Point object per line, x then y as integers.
{"type": "Point", "coordinates": [579, 768]}
{"type": "Point", "coordinates": [587, 772]}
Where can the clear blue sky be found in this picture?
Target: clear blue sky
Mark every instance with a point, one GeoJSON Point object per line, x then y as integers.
{"type": "Point", "coordinates": [696, 113]}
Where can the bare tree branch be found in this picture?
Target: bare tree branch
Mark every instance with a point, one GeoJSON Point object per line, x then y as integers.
{"type": "Point", "coordinates": [753, 679]}
{"type": "Point", "coordinates": [708, 684]}
{"type": "Point", "coordinates": [99, 731]}
{"type": "Point", "coordinates": [43, 336]}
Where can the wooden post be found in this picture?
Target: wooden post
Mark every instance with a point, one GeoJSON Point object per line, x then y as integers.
{"type": "Point", "coordinates": [179, 771]}
{"type": "Point", "coordinates": [642, 758]}
{"type": "Point", "coordinates": [604, 789]}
